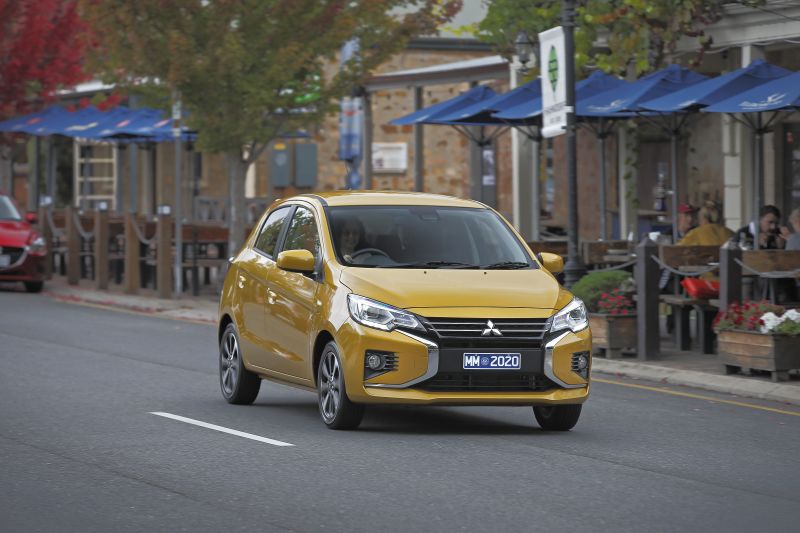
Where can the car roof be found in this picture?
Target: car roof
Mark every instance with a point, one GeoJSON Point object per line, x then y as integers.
{"type": "Point", "coordinates": [343, 198]}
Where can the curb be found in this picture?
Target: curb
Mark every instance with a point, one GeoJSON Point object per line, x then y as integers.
{"type": "Point", "coordinates": [185, 314]}
{"type": "Point", "coordinates": [763, 390]}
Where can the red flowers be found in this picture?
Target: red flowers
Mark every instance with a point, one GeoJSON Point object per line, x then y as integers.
{"type": "Point", "coordinates": [746, 316]}
{"type": "Point", "coordinates": [616, 303]}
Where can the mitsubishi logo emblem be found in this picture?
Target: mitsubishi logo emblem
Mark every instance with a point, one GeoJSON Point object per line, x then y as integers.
{"type": "Point", "coordinates": [490, 330]}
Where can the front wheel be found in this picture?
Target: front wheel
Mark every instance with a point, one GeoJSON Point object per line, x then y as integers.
{"type": "Point", "coordinates": [238, 385]}
{"type": "Point", "coordinates": [34, 286]}
{"type": "Point", "coordinates": [557, 417]}
{"type": "Point", "coordinates": [337, 411]}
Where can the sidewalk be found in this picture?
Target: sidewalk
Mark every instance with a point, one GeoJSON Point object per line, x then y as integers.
{"type": "Point", "coordinates": [674, 367]}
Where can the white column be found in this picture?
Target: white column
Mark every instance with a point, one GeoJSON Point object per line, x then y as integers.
{"type": "Point", "coordinates": [627, 182]}
{"type": "Point", "coordinates": [521, 170]}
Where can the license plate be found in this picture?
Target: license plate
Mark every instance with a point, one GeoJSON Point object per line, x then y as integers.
{"type": "Point", "coordinates": [5, 260]}
{"type": "Point", "coordinates": [492, 361]}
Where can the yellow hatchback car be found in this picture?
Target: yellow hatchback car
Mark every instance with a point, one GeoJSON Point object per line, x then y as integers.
{"type": "Point", "coordinates": [401, 298]}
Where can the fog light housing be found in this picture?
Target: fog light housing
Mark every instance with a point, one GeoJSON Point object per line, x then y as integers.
{"type": "Point", "coordinates": [580, 364]}
{"type": "Point", "coordinates": [377, 363]}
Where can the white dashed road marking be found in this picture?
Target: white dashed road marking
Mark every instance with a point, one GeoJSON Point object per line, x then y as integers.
{"type": "Point", "coordinates": [222, 429]}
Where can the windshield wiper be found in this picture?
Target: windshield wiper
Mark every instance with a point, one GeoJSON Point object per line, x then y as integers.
{"type": "Point", "coordinates": [431, 264]}
{"type": "Point", "coordinates": [508, 265]}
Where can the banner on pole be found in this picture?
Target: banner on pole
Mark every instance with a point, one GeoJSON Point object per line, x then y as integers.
{"type": "Point", "coordinates": [554, 77]}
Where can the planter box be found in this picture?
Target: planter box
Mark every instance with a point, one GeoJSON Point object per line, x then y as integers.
{"type": "Point", "coordinates": [745, 349]}
{"type": "Point", "coordinates": [613, 333]}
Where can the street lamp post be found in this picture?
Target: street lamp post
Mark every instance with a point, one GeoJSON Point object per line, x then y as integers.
{"type": "Point", "coordinates": [574, 268]}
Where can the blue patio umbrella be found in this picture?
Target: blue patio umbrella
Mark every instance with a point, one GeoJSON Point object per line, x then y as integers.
{"type": "Point", "coordinates": [715, 90]}
{"type": "Point", "coordinates": [631, 97]}
{"type": "Point", "coordinates": [483, 112]}
{"type": "Point", "coordinates": [780, 94]}
{"type": "Point", "coordinates": [430, 114]}
{"type": "Point", "coordinates": [33, 123]}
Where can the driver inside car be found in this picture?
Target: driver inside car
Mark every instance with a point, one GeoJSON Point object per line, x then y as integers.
{"type": "Point", "coordinates": [351, 239]}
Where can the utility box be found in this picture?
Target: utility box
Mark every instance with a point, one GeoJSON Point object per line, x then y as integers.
{"type": "Point", "coordinates": [305, 165]}
{"type": "Point", "coordinates": [281, 163]}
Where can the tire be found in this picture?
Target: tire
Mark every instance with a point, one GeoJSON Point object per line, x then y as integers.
{"type": "Point", "coordinates": [335, 408]}
{"type": "Point", "coordinates": [557, 417]}
{"type": "Point", "coordinates": [34, 286]}
{"type": "Point", "coordinates": [238, 385]}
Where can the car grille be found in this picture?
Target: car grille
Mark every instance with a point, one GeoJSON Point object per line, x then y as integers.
{"type": "Point", "coordinates": [468, 333]}
{"type": "Point", "coordinates": [15, 253]}
{"type": "Point", "coordinates": [482, 381]}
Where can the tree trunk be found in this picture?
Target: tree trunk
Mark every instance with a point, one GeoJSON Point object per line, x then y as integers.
{"type": "Point", "coordinates": [237, 171]}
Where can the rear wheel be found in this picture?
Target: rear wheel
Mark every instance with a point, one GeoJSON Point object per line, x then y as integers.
{"type": "Point", "coordinates": [34, 286]}
{"type": "Point", "coordinates": [336, 409]}
{"type": "Point", "coordinates": [557, 417]}
{"type": "Point", "coordinates": [238, 385]}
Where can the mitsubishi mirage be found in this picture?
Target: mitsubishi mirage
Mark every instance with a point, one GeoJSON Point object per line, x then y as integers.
{"type": "Point", "coordinates": [401, 298]}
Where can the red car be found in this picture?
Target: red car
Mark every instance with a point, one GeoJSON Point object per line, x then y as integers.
{"type": "Point", "coordinates": [22, 249]}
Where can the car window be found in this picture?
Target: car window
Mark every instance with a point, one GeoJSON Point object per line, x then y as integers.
{"type": "Point", "coordinates": [424, 237]}
{"type": "Point", "coordinates": [7, 209]}
{"type": "Point", "coordinates": [302, 233]}
{"type": "Point", "coordinates": [271, 230]}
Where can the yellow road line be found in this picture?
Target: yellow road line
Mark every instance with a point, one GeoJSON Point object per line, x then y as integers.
{"type": "Point", "coordinates": [697, 396]}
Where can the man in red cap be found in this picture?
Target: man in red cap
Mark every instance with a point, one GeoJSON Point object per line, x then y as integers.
{"type": "Point", "coordinates": [687, 220]}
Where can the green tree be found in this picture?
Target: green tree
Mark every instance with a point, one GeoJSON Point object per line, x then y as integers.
{"type": "Point", "coordinates": [248, 70]}
{"type": "Point", "coordinates": [610, 34]}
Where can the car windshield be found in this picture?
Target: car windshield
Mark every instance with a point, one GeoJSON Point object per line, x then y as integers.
{"type": "Point", "coordinates": [425, 237]}
{"type": "Point", "coordinates": [8, 210]}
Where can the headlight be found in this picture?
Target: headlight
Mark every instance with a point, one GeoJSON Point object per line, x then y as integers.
{"type": "Point", "coordinates": [37, 246]}
{"type": "Point", "coordinates": [572, 317]}
{"type": "Point", "coordinates": [380, 316]}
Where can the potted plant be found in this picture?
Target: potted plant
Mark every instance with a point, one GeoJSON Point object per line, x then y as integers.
{"type": "Point", "coordinates": [759, 336]}
{"type": "Point", "coordinates": [612, 313]}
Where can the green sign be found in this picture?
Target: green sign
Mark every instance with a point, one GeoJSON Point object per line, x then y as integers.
{"type": "Point", "coordinates": [552, 67]}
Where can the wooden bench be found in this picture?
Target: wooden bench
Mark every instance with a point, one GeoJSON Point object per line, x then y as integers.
{"type": "Point", "coordinates": [553, 247]}
{"type": "Point", "coordinates": [690, 257]}
{"type": "Point", "coordinates": [594, 252]}
{"type": "Point", "coordinates": [774, 264]}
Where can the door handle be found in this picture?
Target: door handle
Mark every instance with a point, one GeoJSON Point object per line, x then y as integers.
{"type": "Point", "coordinates": [241, 281]}
{"type": "Point", "coordinates": [271, 296]}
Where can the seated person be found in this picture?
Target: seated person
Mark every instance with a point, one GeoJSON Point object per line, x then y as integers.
{"type": "Point", "coordinates": [793, 239]}
{"type": "Point", "coordinates": [687, 220]}
{"type": "Point", "coordinates": [710, 232]}
{"type": "Point", "coordinates": [769, 236]}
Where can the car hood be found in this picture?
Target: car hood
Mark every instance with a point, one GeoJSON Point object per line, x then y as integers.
{"type": "Point", "coordinates": [14, 233]}
{"type": "Point", "coordinates": [453, 288]}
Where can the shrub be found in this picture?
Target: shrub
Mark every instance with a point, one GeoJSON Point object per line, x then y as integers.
{"type": "Point", "coordinates": [591, 287]}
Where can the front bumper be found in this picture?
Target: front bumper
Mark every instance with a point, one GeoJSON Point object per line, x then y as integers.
{"type": "Point", "coordinates": [24, 267]}
{"type": "Point", "coordinates": [419, 361]}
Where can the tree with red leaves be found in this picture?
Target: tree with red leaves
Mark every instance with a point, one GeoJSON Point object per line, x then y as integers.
{"type": "Point", "coordinates": [42, 43]}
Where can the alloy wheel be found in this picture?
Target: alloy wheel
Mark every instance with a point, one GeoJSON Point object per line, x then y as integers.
{"type": "Point", "coordinates": [229, 364]}
{"type": "Point", "coordinates": [330, 386]}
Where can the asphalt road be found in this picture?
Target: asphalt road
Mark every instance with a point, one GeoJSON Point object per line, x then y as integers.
{"type": "Point", "coordinates": [80, 451]}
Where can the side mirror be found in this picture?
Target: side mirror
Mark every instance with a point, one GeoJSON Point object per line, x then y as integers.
{"type": "Point", "coordinates": [31, 218]}
{"type": "Point", "coordinates": [552, 262]}
{"type": "Point", "coordinates": [297, 261]}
